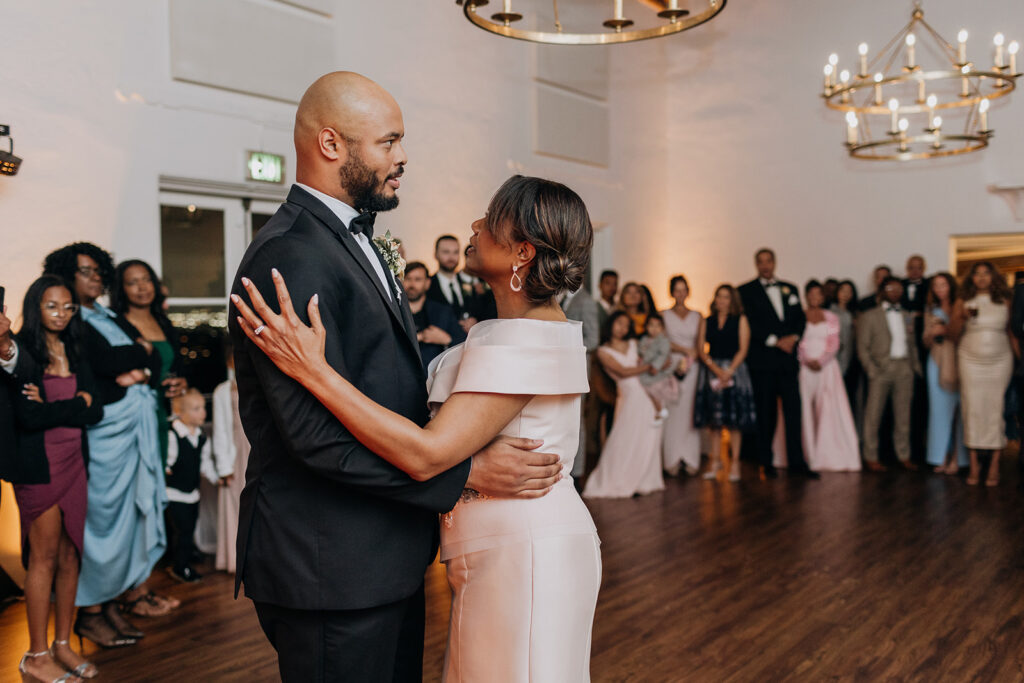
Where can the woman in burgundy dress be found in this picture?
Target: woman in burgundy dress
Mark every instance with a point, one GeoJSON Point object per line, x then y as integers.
{"type": "Point", "coordinates": [53, 404]}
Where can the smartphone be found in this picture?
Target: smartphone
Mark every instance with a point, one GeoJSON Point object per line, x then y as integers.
{"type": "Point", "coordinates": [2, 291]}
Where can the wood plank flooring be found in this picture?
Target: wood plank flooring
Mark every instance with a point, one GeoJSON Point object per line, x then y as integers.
{"type": "Point", "coordinates": [859, 577]}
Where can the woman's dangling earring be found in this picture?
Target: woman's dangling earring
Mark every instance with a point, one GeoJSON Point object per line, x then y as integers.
{"type": "Point", "coordinates": [517, 282]}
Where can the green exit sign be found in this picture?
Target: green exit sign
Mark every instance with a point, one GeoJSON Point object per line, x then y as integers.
{"type": "Point", "coordinates": [265, 167]}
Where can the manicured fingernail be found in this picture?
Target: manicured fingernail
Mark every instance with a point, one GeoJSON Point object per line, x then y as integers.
{"type": "Point", "coordinates": [246, 281]}
{"type": "Point", "coordinates": [273, 271]}
{"type": "Point", "coordinates": [316, 299]}
{"type": "Point", "coordinates": [234, 297]}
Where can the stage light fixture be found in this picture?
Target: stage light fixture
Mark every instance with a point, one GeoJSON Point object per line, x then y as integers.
{"type": "Point", "coordinates": [9, 163]}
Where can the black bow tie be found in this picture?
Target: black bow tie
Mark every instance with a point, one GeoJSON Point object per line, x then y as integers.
{"type": "Point", "coordinates": [892, 307]}
{"type": "Point", "coordinates": [363, 223]}
{"type": "Point", "coordinates": [771, 283]}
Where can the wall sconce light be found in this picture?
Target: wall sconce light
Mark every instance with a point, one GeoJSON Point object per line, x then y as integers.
{"type": "Point", "coordinates": [9, 163]}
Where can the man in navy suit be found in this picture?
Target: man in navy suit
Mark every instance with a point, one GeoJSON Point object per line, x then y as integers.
{"type": "Point", "coordinates": [436, 325]}
{"type": "Point", "coordinates": [777, 322]}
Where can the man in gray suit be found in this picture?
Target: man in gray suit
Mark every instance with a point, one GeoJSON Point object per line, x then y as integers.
{"type": "Point", "coordinates": [886, 348]}
{"type": "Point", "coordinates": [580, 306]}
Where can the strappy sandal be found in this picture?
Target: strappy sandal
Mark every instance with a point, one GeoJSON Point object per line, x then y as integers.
{"type": "Point", "coordinates": [84, 670]}
{"type": "Point", "coordinates": [149, 605]}
{"type": "Point", "coordinates": [26, 677]}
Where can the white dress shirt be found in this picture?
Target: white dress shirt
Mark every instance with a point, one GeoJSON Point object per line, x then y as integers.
{"type": "Point", "coordinates": [608, 308]}
{"type": "Point", "coordinates": [206, 467]}
{"type": "Point", "coordinates": [451, 285]}
{"type": "Point", "coordinates": [345, 214]}
{"type": "Point", "coordinates": [897, 330]}
{"type": "Point", "coordinates": [774, 292]}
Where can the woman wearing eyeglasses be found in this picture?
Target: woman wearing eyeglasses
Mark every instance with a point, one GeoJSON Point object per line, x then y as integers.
{"type": "Point", "coordinates": [124, 530]}
{"type": "Point", "coordinates": [54, 399]}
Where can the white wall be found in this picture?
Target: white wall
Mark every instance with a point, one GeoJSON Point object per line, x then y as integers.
{"type": "Point", "coordinates": [755, 159]}
{"type": "Point", "coordinates": [97, 117]}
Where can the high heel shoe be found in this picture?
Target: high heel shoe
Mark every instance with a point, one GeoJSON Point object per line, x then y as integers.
{"type": "Point", "coordinates": [112, 611]}
{"type": "Point", "coordinates": [85, 670]}
{"type": "Point", "coordinates": [26, 677]}
{"type": "Point", "coordinates": [95, 627]}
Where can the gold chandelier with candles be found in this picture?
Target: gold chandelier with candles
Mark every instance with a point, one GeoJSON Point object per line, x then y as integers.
{"type": "Point", "coordinates": [667, 18]}
{"type": "Point", "coordinates": [907, 99]}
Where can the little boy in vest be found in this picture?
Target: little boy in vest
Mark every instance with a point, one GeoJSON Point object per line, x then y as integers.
{"type": "Point", "coordinates": [188, 455]}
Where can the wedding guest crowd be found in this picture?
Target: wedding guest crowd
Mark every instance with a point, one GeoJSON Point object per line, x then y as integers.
{"type": "Point", "coordinates": [94, 452]}
{"type": "Point", "coordinates": [832, 382]}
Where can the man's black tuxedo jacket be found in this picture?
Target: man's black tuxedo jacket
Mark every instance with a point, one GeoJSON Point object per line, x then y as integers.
{"type": "Point", "coordinates": [324, 523]}
{"type": "Point", "coordinates": [917, 303]}
{"type": "Point", "coordinates": [764, 322]}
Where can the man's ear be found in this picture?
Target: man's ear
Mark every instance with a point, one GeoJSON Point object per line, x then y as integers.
{"type": "Point", "coordinates": [332, 144]}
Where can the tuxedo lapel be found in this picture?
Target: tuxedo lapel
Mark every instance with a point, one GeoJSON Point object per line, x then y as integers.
{"type": "Point", "coordinates": [334, 224]}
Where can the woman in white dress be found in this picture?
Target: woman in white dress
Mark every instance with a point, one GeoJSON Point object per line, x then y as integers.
{"type": "Point", "coordinates": [630, 463]}
{"type": "Point", "coordinates": [681, 442]}
{"type": "Point", "coordinates": [524, 572]}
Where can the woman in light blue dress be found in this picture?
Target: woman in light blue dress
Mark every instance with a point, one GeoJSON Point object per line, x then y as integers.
{"type": "Point", "coordinates": [945, 428]}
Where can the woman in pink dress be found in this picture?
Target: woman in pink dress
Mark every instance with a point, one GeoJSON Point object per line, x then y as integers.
{"type": "Point", "coordinates": [524, 572]}
{"type": "Point", "coordinates": [681, 443]}
{"type": "Point", "coordinates": [631, 461]}
{"type": "Point", "coordinates": [231, 454]}
{"type": "Point", "coordinates": [829, 435]}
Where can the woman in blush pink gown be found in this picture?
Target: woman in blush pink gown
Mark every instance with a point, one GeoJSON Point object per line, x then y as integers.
{"type": "Point", "coordinates": [631, 461]}
{"type": "Point", "coordinates": [524, 572]}
{"type": "Point", "coordinates": [829, 435]}
{"type": "Point", "coordinates": [681, 442]}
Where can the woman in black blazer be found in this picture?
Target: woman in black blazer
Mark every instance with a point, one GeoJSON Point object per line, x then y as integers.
{"type": "Point", "coordinates": [53, 398]}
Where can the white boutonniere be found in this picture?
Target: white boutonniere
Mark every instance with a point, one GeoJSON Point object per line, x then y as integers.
{"type": "Point", "coordinates": [388, 246]}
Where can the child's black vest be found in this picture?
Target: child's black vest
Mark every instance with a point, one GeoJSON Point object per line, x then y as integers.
{"type": "Point", "coordinates": [184, 474]}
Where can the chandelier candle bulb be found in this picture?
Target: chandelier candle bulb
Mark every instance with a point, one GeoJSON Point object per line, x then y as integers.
{"type": "Point", "coordinates": [828, 79]}
{"type": "Point", "coordinates": [921, 92]}
{"type": "Point", "coordinates": [965, 83]}
{"type": "Point", "coordinates": [983, 116]}
{"type": "Point", "coordinates": [845, 78]}
{"type": "Point", "coordinates": [998, 42]}
{"type": "Point", "coordinates": [863, 50]}
{"type": "Point", "coordinates": [931, 102]}
{"type": "Point", "coordinates": [878, 89]}
{"type": "Point", "coordinates": [961, 50]}
{"type": "Point", "coordinates": [618, 9]}
{"type": "Point", "coordinates": [851, 128]}
{"type": "Point", "coordinates": [911, 41]}
{"type": "Point", "coordinates": [1013, 49]}
{"type": "Point", "coordinates": [894, 109]}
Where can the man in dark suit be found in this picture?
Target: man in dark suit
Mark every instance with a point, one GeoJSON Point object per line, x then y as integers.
{"type": "Point", "coordinates": [453, 288]}
{"type": "Point", "coordinates": [871, 300]}
{"type": "Point", "coordinates": [777, 322]}
{"type": "Point", "coordinates": [333, 541]}
{"type": "Point", "coordinates": [436, 326]}
{"type": "Point", "coordinates": [915, 294]}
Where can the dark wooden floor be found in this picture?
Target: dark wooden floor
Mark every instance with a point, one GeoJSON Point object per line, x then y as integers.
{"type": "Point", "coordinates": [856, 578]}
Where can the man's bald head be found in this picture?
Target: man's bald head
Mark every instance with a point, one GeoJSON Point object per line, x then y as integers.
{"type": "Point", "coordinates": [348, 133]}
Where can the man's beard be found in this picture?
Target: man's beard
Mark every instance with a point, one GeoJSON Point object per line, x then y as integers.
{"type": "Point", "coordinates": [360, 183]}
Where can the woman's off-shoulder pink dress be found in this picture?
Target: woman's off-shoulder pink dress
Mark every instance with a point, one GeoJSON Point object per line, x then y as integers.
{"type": "Point", "coordinates": [524, 574]}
